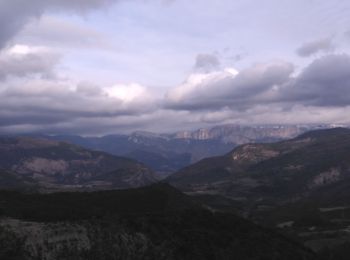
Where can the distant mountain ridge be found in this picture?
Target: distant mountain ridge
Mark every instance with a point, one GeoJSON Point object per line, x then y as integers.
{"type": "Point", "coordinates": [167, 153]}
{"type": "Point", "coordinates": [237, 134]}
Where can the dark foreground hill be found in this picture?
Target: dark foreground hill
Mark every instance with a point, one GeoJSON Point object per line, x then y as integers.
{"type": "Point", "coordinates": [58, 165]}
{"type": "Point", "coordinates": [156, 222]}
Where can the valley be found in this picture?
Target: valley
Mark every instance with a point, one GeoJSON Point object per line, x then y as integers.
{"type": "Point", "coordinates": [174, 130]}
{"type": "Point", "coordinates": [62, 201]}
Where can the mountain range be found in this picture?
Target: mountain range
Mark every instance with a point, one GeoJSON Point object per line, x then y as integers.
{"type": "Point", "coordinates": [285, 170]}
{"type": "Point", "coordinates": [290, 192]}
{"type": "Point", "coordinates": [167, 153]}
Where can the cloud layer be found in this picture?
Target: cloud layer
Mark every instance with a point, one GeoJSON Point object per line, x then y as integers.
{"type": "Point", "coordinates": [40, 92]}
{"type": "Point", "coordinates": [325, 83]}
{"type": "Point", "coordinates": [262, 93]}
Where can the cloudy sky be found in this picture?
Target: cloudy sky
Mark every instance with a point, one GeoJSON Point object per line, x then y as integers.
{"type": "Point", "coordinates": [95, 67]}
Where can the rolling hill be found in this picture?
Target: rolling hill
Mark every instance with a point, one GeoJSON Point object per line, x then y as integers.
{"type": "Point", "coordinates": [282, 171]}
{"type": "Point", "coordinates": [53, 164]}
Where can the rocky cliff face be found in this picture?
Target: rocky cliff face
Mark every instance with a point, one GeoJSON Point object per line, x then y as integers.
{"type": "Point", "coordinates": [236, 134]}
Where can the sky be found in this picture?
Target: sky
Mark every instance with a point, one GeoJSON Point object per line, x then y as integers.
{"type": "Point", "coordinates": [95, 67]}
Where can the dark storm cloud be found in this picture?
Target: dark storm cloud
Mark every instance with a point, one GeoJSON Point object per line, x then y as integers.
{"type": "Point", "coordinates": [313, 47]}
{"type": "Point", "coordinates": [14, 14]}
{"type": "Point", "coordinates": [226, 89]}
{"type": "Point", "coordinates": [325, 82]}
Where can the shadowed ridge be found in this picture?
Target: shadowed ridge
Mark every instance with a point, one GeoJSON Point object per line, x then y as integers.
{"type": "Point", "coordinates": [59, 166]}
{"type": "Point", "coordinates": [326, 133]}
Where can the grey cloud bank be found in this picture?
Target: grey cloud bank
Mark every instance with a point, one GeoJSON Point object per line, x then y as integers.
{"type": "Point", "coordinates": [325, 82]}
{"type": "Point", "coordinates": [263, 90]}
{"type": "Point", "coordinates": [227, 89]}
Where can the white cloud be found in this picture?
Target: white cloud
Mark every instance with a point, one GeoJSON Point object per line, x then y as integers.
{"type": "Point", "coordinates": [19, 49]}
{"type": "Point", "coordinates": [127, 92]}
{"type": "Point", "coordinates": [199, 82]}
